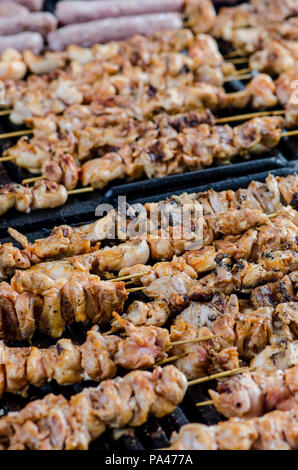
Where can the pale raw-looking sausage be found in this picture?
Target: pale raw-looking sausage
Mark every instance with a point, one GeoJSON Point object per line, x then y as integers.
{"type": "Point", "coordinates": [87, 34]}
{"type": "Point", "coordinates": [33, 5]}
{"type": "Point", "coordinates": [39, 22]}
{"type": "Point", "coordinates": [27, 40]}
{"type": "Point", "coordinates": [81, 12]}
{"type": "Point", "coordinates": [11, 9]}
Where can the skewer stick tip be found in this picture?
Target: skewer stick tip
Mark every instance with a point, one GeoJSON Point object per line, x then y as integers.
{"type": "Point", "coordinates": [205, 403]}
{"type": "Point", "coordinates": [32, 180]}
{"type": "Point", "coordinates": [220, 375]}
{"type": "Point", "coordinates": [81, 191]}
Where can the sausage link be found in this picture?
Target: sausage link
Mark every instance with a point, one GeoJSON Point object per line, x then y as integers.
{"type": "Point", "coordinates": [81, 11]}
{"type": "Point", "coordinates": [100, 31]}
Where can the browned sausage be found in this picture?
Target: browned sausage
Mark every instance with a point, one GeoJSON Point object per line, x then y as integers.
{"type": "Point", "coordinates": [11, 9]}
{"type": "Point", "coordinates": [39, 22]}
{"type": "Point", "coordinates": [21, 42]}
{"type": "Point", "coordinates": [82, 11]}
{"type": "Point", "coordinates": [33, 5]}
{"type": "Point", "coordinates": [87, 34]}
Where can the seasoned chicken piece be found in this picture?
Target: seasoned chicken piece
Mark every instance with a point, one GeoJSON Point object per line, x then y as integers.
{"type": "Point", "coordinates": [199, 16]}
{"type": "Point", "coordinates": [239, 396]}
{"type": "Point", "coordinates": [47, 63]}
{"type": "Point", "coordinates": [258, 135]}
{"type": "Point", "coordinates": [144, 347]}
{"type": "Point", "coordinates": [272, 294]}
{"type": "Point", "coordinates": [99, 172]}
{"type": "Point", "coordinates": [238, 246]}
{"type": "Point", "coordinates": [27, 306]}
{"type": "Point", "coordinates": [275, 10]}
{"type": "Point", "coordinates": [289, 189]}
{"type": "Point", "coordinates": [97, 362]}
{"type": "Point", "coordinates": [284, 261]}
{"type": "Point", "coordinates": [12, 65]}
{"type": "Point", "coordinates": [259, 93]}
{"type": "Point", "coordinates": [274, 59]}
{"type": "Point", "coordinates": [15, 370]}
{"type": "Point", "coordinates": [194, 437]}
{"type": "Point", "coordinates": [201, 260]}
{"type": "Point", "coordinates": [48, 194]}
{"type": "Point", "coordinates": [62, 169]}
{"type": "Point", "coordinates": [237, 221]}
{"type": "Point", "coordinates": [8, 318]}
{"type": "Point", "coordinates": [253, 332]}
{"type": "Point", "coordinates": [15, 195]}
{"type": "Point", "coordinates": [285, 322]}
{"type": "Point", "coordinates": [11, 258]}
{"type": "Point", "coordinates": [165, 287]}
{"type": "Point", "coordinates": [196, 360]}
{"type": "Point", "coordinates": [271, 358]}
{"type": "Point", "coordinates": [51, 321]}
{"type": "Point", "coordinates": [68, 368]}
{"type": "Point", "coordinates": [274, 431]}
{"type": "Point", "coordinates": [267, 194]}
{"type": "Point", "coordinates": [284, 83]}
{"type": "Point", "coordinates": [139, 313]}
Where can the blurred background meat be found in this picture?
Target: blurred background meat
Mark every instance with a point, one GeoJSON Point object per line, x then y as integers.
{"type": "Point", "coordinates": [82, 11]}
{"type": "Point", "coordinates": [87, 34]}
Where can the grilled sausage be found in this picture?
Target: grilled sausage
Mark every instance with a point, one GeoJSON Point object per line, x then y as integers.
{"type": "Point", "coordinates": [81, 11]}
{"type": "Point", "coordinates": [12, 9]}
{"type": "Point", "coordinates": [42, 23]}
{"type": "Point", "coordinates": [32, 5]}
{"type": "Point", "coordinates": [22, 41]}
{"type": "Point", "coordinates": [87, 34]}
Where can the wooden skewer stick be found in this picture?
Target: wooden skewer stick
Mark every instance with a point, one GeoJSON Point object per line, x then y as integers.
{"type": "Point", "coordinates": [290, 133]}
{"type": "Point", "coordinates": [232, 54]}
{"type": "Point", "coordinates": [135, 289]}
{"type": "Point", "coordinates": [112, 331]}
{"type": "Point", "coordinates": [16, 134]}
{"type": "Point", "coordinates": [242, 71]}
{"type": "Point", "coordinates": [129, 276]}
{"type": "Point", "coordinates": [7, 159]}
{"type": "Point", "coordinates": [89, 189]}
{"type": "Point", "coordinates": [170, 359]}
{"type": "Point", "coordinates": [241, 117]}
{"type": "Point", "coordinates": [194, 340]}
{"type": "Point", "coordinates": [32, 180]}
{"type": "Point", "coordinates": [205, 403]}
{"type": "Point", "coordinates": [5, 112]}
{"type": "Point", "coordinates": [239, 60]}
{"type": "Point", "coordinates": [237, 77]}
{"type": "Point", "coordinates": [218, 376]}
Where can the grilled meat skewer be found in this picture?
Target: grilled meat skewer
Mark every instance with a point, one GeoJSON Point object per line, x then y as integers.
{"type": "Point", "coordinates": [118, 403]}
{"type": "Point", "coordinates": [255, 393]}
{"type": "Point", "coordinates": [273, 431]}
{"type": "Point", "coordinates": [223, 213]}
{"type": "Point", "coordinates": [96, 359]}
{"type": "Point", "coordinates": [136, 160]}
{"type": "Point", "coordinates": [151, 154]}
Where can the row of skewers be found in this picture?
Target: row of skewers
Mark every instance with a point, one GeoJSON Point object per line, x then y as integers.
{"type": "Point", "coordinates": [131, 148]}
{"type": "Point", "coordinates": [227, 292]}
{"type": "Point", "coordinates": [249, 248]}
